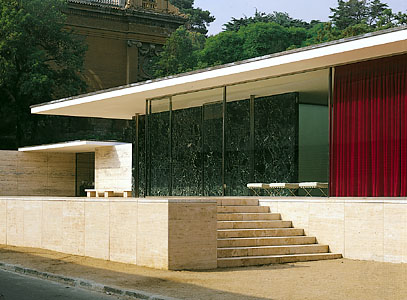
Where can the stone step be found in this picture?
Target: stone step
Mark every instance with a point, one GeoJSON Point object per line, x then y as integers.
{"type": "Point", "coordinates": [254, 224]}
{"type": "Point", "coordinates": [229, 262]}
{"type": "Point", "coordinates": [237, 201]}
{"type": "Point", "coordinates": [265, 232]}
{"type": "Point", "coordinates": [243, 209]}
{"type": "Point", "coordinates": [266, 241]}
{"type": "Point", "coordinates": [248, 216]}
{"type": "Point", "coordinates": [271, 250]}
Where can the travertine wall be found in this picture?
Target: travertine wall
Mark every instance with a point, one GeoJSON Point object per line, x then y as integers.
{"type": "Point", "coordinates": [113, 167]}
{"type": "Point", "coordinates": [164, 234]}
{"type": "Point", "coordinates": [32, 174]}
{"type": "Point", "coordinates": [366, 229]}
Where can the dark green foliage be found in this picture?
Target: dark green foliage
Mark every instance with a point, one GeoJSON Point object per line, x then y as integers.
{"type": "Point", "coordinates": [39, 61]}
{"type": "Point", "coordinates": [280, 18]}
{"type": "Point", "coordinates": [180, 52]}
{"type": "Point", "coordinates": [198, 19]}
{"type": "Point", "coordinates": [263, 34]}
{"type": "Point", "coordinates": [374, 14]}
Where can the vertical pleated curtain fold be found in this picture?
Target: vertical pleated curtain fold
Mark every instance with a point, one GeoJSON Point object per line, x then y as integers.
{"type": "Point", "coordinates": [369, 129]}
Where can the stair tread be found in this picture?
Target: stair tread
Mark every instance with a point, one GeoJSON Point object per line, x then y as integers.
{"type": "Point", "coordinates": [241, 221]}
{"type": "Point", "coordinates": [280, 255]}
{"type": "Point", "coordinates": [273, 247]}
{"type": "Point", "coordinates": [265, 237]}
{"type": "Point", "coordinates": [257, 229]}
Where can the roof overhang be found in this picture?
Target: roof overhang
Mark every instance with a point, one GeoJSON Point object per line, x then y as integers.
{"type": "Point", "coordinates": [125, 102]}
{"type": "Point", "coordinates": [70, 147]}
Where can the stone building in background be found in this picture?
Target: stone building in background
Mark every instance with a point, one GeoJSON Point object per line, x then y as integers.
{"type": "Point", "coordinates": [122, 37]}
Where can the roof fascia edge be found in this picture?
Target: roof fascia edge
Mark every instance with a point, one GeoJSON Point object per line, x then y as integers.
{"type": "Point", "coordinates": [229, 70]}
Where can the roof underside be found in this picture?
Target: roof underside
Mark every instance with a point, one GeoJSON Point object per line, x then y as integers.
{"type": "Point", "coordinates": [301, 70]}
{"type": "Point", "coordinates": [70, 147]}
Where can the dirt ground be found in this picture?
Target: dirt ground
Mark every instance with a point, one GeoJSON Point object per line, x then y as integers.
{"type": "Point", "coordinates": [332, 279]}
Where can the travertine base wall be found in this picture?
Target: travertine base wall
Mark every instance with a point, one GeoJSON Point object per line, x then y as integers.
{"type": "Point", "coordinates": [366, 229]}
{"type": "Point", "coordinates": [164, 234]}
{"type": "Point", "coordinates": [37, 174]}
{"type": "Point", "coordinates": [113, 167]}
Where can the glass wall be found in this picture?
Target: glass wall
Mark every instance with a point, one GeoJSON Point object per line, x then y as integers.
{"type": "Point", "coordinates": [203, 145]}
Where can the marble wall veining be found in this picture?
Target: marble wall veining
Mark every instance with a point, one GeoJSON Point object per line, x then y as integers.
{"type": "Point", "coordinates": [187, 160]}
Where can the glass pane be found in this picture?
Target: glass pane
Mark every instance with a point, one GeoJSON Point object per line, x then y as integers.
{"type": "Point", "coordinates": [159, 156]}
{"type": "Point", "coordinates": [276, 138]}
{"type": "Point", "coordinates": [238, 155]}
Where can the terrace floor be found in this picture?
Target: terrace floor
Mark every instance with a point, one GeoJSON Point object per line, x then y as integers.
{"type": "Point", "coordinates": [331, 279]}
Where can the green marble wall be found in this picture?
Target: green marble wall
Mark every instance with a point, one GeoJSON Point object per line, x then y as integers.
{"type": "Point", "coordinates": [196, 164]}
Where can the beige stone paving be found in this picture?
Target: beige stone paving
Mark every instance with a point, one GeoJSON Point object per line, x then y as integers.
{"type": "Point", "coordinates": [333, 279]}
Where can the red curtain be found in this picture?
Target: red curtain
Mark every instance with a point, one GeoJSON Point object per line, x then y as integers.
{"type": "Point", "coordinates": [369, 129]}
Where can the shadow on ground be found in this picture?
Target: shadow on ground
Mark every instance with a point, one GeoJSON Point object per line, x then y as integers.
{"type": "Point", "coordinates": [177, 284]}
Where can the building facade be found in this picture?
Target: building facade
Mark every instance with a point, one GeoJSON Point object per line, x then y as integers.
{"type": "Point", "coordinates": [122, 37]}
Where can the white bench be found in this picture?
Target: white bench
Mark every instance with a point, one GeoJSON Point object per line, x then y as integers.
{"type": "Point", "coordinates": [279, 187]}
{"type": "Point", "coordinates": [107, 193]}
{"type": "Point", "coordinates": [309, 186]}
{"type": "Point", "coordinates": [291, 187]}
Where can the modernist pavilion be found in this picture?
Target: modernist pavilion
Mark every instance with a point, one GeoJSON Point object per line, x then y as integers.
{"type": "Point", "coordinates": [334, 112]}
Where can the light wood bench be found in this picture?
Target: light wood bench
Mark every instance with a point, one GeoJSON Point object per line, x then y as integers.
{"type": "Point", "coordinates": [107, 193]}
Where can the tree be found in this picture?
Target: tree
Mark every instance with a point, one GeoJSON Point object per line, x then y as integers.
{"type": "Point", "coordinates": [179, 53]}
{"type": "Point", "coordinates": [198, 19]}
{"type": "Point", "coordinates": [225, 47]}
{"type": "Point", "coordinates": [250, 41]}
{"type": "Point", "coordinates": [39, 59]}
{"type": "Point", "coordinates": [374, 14]}
{"type": "Point", "coordinates": [280, 18]}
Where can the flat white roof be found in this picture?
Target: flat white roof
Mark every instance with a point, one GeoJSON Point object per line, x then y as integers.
{"type": "Point", "coordinates": [125, 102]}
{"type": "Point", "coordinates": [70, 147]}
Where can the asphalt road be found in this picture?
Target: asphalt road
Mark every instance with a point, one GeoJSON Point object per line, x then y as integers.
{"type": "Point", "coordinates": [18, 287]}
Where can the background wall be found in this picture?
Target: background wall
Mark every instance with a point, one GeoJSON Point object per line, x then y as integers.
{"type": "Point", "coordinates": [42, 174]}
{"type": "Point", "coordinates": [313, 145]}
{"type": "Point", "coordinates": [113, 168]}
{"type": "Point", "coordinates": [359, 228]}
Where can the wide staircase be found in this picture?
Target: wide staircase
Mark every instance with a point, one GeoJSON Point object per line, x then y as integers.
{"type": "Point", "coordinates": [249, 234]}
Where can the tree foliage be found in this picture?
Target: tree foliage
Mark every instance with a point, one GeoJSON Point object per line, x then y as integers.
{"type": "Point", "coordinates": [180, 52]}
{"type": "Point", "coordinates": [198, 19]}
{"type": "Point", "coordinates": [263, 34]}
{"type": "Point", "coordinates": [373, 14]}
{"type": "Point", "coordinates": [280, 18]}
{"type": "Point", "coordinates": [39, 59]}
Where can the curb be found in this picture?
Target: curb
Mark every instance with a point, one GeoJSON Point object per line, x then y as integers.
{"type": "Point", "coordinates": [82, 283]}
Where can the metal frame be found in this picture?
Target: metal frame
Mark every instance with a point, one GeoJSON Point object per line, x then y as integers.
{"type": "Point", "coordinates": [223, 140]}
{"type": "Point", "coordinates": [170, 145]}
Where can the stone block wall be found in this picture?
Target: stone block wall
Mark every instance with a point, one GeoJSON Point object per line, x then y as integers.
{"type": "Point", "coordinates": [113, 168]}
{"type": "Point", "coordinates": [37, 174]}
{"type": "Point", "coordinates": [359, 228]}
{"type": "Point", "coordinates": [163, 234]}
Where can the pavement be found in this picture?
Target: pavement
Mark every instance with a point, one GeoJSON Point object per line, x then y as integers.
{"type": "Point", "coordinates": [331, 279]}
{"type": "Point", "coordinates": [14, 286]}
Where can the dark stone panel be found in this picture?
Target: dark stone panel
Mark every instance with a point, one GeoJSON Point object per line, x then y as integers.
{"type": "Point", "coordinates": [212, 147]}
{"type": "Point", "coordinates": [141, 158]}
{"type": "Point", "coordinates": [276, 138]}
{"type": "Point", "coordinates": [187, 152]}
{"type": "Point", "coordinates": [237, 161]}
{"type": "Point", "coordinates": [159, 165]}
